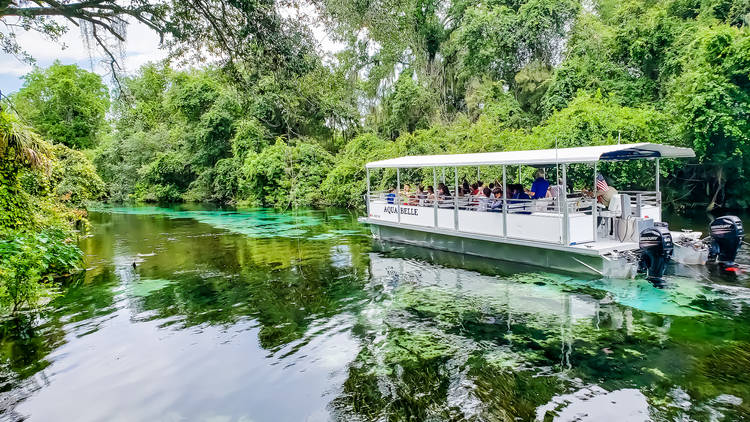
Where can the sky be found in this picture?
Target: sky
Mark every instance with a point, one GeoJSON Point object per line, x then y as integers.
{"type": "Point", "coordinates": [142, 46]}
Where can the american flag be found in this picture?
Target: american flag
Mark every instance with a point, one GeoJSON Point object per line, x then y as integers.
{"type": "Point", "coordinates": [601, 184]}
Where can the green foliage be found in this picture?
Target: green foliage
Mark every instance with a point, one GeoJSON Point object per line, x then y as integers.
{"type": "Point", "coordinates": [65, 104]}
{"type": "Point", "coordinates": [710, 100]}
{"type": "Point", "coordinates": [284, 175]}
{"type": "Point", "coordinates": [408, 108]}
{"type": "Point", "coordinates": [38, 184]}
{"type": "Point", "coordinates": [346, 182]}
{"type": "Point", "coordinates": [74, 177]}
{"type": "Point", "coordinates": [165, 178]}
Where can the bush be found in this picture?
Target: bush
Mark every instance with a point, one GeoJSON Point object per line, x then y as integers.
{"type": "Point", "coordinates": [28, 264]}
{"type": "Point", "coordinates": [74, 177]}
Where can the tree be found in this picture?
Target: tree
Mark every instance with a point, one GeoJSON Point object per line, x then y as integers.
{"type": "Point", "coordinates": [20, 147]}
{"type": "Point", "coordinates": [711, 101]}
{"type": "Point", "coordinates": [65, 104]}
{"type": "Point", "coordinates": [234, 31]}
{"type": "Point", "coordinates": [100, 20]}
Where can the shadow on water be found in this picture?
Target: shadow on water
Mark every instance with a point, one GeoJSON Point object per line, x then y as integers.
{"type": "Point", "coordinates": [225, 314]}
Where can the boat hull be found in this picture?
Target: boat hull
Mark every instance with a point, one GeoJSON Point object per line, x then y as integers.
{"type": "Point", "coordinates": [548, 258]}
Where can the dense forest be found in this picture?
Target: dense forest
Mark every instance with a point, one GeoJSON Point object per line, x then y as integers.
{"type": "Point", "coordinates": [250, 110]}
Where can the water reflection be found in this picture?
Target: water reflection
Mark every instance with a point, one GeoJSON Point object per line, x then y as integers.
{"type": "Point", "coordinates": [256, 315]}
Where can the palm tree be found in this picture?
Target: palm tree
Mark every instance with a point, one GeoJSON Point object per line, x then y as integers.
{"type": "Point", "coordinates": [20, 142]}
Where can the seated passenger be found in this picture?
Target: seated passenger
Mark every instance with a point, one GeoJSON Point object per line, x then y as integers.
{"type": "Point", "coordinates": [604, 192]}
{"type": "Point", "coordinates": [444, 197]}
{"type": "Point", "coordinates": [408, 196]}
{"type": "Point", "coordinates": [540, 186]}
{"type": "Point", "coordinates": [390, 197]}
{"type": "Point", "coordinates": [421, 195]}
{"type": "Point", "coordinates": [474, 189]}
{"type": "Point", "coordinates": [430, 195]}
{"type": "Point", "coordinates": [484, 199]}
{"type": "Point", "coordinates": [496, 205]}
{"type": "Point", "coordinates": [519, 192]}
{"type": "Point", "coordinates": [556, 190]}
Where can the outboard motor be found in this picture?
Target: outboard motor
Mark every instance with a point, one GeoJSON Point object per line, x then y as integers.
{"type": "Point", "coordinates": [726, 238]}
{"type": "Point", "coordinates": [656, 250]}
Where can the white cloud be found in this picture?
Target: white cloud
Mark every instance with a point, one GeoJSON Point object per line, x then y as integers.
{"type": "Point", "coordinates": [142, 46]}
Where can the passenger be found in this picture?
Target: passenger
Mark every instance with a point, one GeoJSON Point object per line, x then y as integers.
{"type": "Point", "coordinates": [444, 197]}
{"type": "Point", "coordinates": [408, 197]}
{"type": "Point", "coordinates": [467, 188]}
{"type": "Point", "coordinates": [540, 186]}
{"type": "Point", "coordinates": [421, 195]}
{"type": "Point", "coordinates": [390, 197]}
{"type": "Point", "coordinates": [492, 186]}
{"type": "Point", "coordinates": [556, 190]}
{"type": "Point", "coordinates": [519, 192]}
{"type": "Point", "coordinates": [604, 192]}
{"type": "Point", "coordinates": [430, 195]}
{"type": "Point", "coordinates": [484, 199]}
{"type": "Point", "coordinates": [474, 189]}
{"type": "Point", "coordinates": [496, 205]}
{"type": "Point", "coordinates": [519, 195]}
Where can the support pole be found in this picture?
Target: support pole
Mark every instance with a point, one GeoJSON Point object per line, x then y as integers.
{"type": "Point", "coordinates": [519, 174]}
{"type": "Point", "coordinates": [367, 199]}
{"type": "Point", "coordinates": [398, 194]}
{"type": "Point", "coordinates": [443, 170]}
{"type": "Point", "coordinates": [505, 205]}
{"type": "Point", "coordinates": [478, 178]}
{"type": "Point", "coordinates": [593, 206]}
{"type": "Point", "coordinates": [434, 194]}
{"type": "Point", "coordinates": [564, 204]}
{"type": "Point", "coordinates": [658, 187]}
{"type": "Point", "coordinates": [455, 200]}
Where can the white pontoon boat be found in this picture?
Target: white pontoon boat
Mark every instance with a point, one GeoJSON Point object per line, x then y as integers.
{"type": "Point", "coordinates": [568, 232]}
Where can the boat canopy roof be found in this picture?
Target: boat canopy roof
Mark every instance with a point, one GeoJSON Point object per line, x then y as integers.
{"type": "Point", "coordinates": [540, 157]}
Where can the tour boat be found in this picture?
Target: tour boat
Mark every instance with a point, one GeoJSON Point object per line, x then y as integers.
{"type": "Point", "coordinates": [563, 231]}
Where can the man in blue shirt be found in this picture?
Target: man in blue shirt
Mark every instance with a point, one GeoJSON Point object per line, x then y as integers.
{"type": "Point", "coordinates": [540, 186]}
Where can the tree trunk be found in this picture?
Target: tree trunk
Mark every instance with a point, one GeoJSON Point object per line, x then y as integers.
{"type": "Point", "coordinates": [719, 177]}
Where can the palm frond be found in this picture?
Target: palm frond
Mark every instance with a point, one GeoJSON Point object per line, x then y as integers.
{"type": "Point", "coordinates": [19, 141]}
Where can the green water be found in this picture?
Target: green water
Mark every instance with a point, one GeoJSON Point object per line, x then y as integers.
{"type": "Point", "coordinates": [264, 316]}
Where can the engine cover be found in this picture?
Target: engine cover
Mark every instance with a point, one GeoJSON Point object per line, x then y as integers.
{"type": "Point", "coordinates": [727, 234]}
{"type": "Point", "coordinates": [656, 249]}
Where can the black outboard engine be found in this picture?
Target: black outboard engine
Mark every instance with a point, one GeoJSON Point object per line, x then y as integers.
{"type": "Point", "coordinates": [726, 238]}
{"type": "Point", "coordinates": [656, 250]}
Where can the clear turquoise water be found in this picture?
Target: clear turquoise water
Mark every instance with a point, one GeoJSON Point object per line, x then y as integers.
{"type": "Point", "coordinates": [262, 316]}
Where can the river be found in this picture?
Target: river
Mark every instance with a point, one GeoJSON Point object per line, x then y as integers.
{"type": "Point", "coordinates": [202, 314]}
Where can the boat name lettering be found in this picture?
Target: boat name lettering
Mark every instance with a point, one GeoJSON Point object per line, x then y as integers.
{"type": "Point", "coordinates": [405, 211]}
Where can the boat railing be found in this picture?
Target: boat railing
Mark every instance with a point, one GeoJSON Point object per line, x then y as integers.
{"type": "Point", "coordinates": [642, 202]}
{"type": "Point", "coordinates": [525, 219]}
{"type": "Point", "coordinates": [576, 204]}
